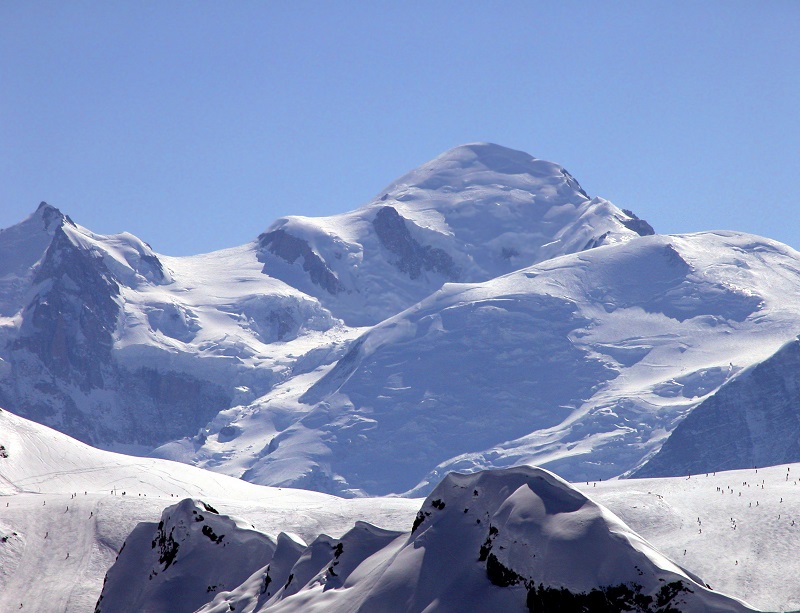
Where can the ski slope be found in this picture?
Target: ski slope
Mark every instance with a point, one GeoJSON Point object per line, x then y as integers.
{"type": "Point", "coordinates": [41, 522]}
{"type": "Point", "coordinates": [740, 529]}
{"type": "Point", "coordinates": [43, 469]}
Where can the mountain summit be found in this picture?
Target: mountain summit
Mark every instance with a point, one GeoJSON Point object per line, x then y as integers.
{"type": "Point", "coordinates": [471, 214]}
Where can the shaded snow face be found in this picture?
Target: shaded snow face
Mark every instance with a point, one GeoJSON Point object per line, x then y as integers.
{"type": "Point", "coordinates": [753, 420]}
{"type": "Point", "coordinates": [446, 383]}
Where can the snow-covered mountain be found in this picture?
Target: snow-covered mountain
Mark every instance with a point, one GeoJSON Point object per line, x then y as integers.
{"type": "Point", "coordinates": [104, 339]}
{"type": "Point", "coordinates": [507, 318]}
{"type": "Point", "coordinates": [583, 363]}
{"type": "Point", "coordinates": [492, 541]}
{"type": "Point", "coordinates": [124, 348]}
{"type": "Point", "coordinates": [471, 214]}
{"type": "Point", "coordinates": [482, 312]}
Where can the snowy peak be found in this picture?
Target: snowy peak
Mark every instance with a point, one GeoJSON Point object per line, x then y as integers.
{"type": "Point", "coordinates": [481, 164]}
{"type": "Point", "coordinates": [106, 340]}
{"type": "Point", "coordinates": [21, 247]}
{"type": "Point", "coordinates": [51, 217]}
{"type": "Point", "coordinates": [178, 564]}
{"type": "Point", "coordinates": [505, 540]}
{"type": "Point", "coordinates": [471, 214]}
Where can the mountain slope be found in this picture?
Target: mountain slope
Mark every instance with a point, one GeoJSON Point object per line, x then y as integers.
{"type": "Point", "coordinates": [583, 364]}
{"type": "Point", "coordinates": [753, 420]}
{"type": "Point", "coordinates": [104, 339]}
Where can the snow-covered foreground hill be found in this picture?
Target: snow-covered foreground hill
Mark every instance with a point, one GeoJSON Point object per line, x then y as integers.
{"type": "Point", "coordinates": [41, 522]}
{"type": "Point", "coordinates": [501, 540]}
{"type": "Point", "coordinates": [583, 364]}
{"type": "Point", "coordinates": [743, 550]}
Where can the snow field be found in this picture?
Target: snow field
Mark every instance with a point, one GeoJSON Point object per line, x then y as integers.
{"type": "Point", "coordinates": [737, 534]}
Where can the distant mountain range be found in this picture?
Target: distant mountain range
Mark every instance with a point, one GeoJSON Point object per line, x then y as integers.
{"type": "Point", "coordinates": [482, 311]}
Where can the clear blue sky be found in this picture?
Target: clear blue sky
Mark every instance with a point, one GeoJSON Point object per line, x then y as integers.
{"type": "Point", "coordinates": [195, 124]}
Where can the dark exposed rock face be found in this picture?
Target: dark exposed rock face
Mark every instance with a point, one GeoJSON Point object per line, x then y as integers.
{"type": "Point", "coordinates": [412, 257]}
{"type": "Point", "coordinates": [608, 599]}
{"type": "Point", "coordinates": [52, 216]}
{"type": "Point", "coordinates": [152, 268]}
{"type": "Point", "coordinates": [289, 248]}
{"type": "Point", "coordinates": [161, 405]}
{"type": "Point", "coordinates": [640, 226]}
{"type": "Point", "coordinates": [752, 421]}
{"type": "Point", "coordinates": [62, 370]}
{"type": "Point", "coordinates": [69, 324]}
{"type": "Point", "coordinates": [573, 182]}
{"type": "Point", "coordinates": [596, 242]}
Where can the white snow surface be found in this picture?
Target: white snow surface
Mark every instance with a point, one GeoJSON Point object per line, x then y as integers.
{"type": "Point", "coordinates": [739, 530]}
{"type": "Point", "coordinates": [583, 364]}
{"type": "Point", "coordinates": [487, 209]}
{"type": "Point", "coordinates": [43, 468]}
{"type": "Point", "coordinates": [44, 523]}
